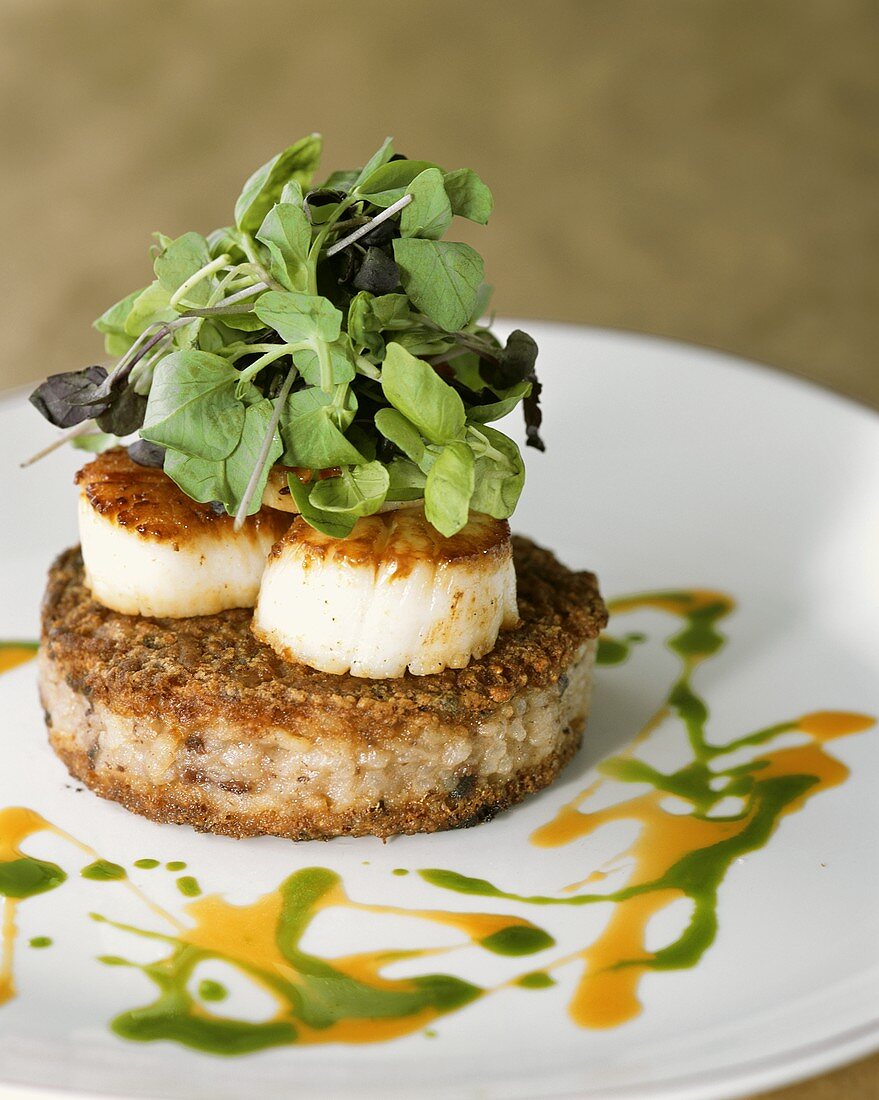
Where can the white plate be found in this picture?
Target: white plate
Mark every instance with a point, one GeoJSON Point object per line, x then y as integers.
{"type": "Point", "coordinates": [668, 468]}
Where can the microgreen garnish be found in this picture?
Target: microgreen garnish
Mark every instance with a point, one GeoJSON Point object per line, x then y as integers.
{"type": "Point", "coordinates": [329, 326]}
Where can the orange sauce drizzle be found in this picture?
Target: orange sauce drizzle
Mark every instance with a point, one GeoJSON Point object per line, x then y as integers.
{"type": "Point", "coordinates": [13, 654]}
{"type": "Point", "coordinates": [607, 992]}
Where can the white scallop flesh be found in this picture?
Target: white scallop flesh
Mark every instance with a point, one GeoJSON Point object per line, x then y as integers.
{"type": "Point", "coordinates": [394, 595]}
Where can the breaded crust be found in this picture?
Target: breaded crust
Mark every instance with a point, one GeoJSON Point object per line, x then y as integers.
{"type": "Point", "coordinates": [196, 722]}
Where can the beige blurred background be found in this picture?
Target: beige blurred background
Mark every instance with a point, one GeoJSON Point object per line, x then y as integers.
{"type": "Point", "coordinates": [701, 169]}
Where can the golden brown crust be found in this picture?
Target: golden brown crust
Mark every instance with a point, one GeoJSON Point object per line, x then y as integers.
{"type": "Point", "coordinates": [399, 539]}
{"type": "Point", "coordinates": [458, 809]}
{"type": "Point", "coordinates": [147, 500]}
{"type": "Point", "coordinates": [212, 668]}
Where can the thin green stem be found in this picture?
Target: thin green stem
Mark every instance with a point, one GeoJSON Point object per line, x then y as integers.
{"type": "Point", "coordinates": [364, 229]}
{"type": "Point", "coordinates": [278, 350]}
{"type": "Point", "coordinates": [197, 277]}
{"type": "Point", "coordinates": [363, 366]}
{"type": "Point", "coordinates": [326, 367]}
{"type": "Point", "coordinates": [227, 310]}
{"type": "Point", "coordinates": [141, 377]}
{"type": "Point", "coordinates": [233, 352]}
{"type": "Point", "coordinates": [318, 242]}
{"type": "Point", "coordinates": [467, 340]}
{"type": "Point", "coordinates": [217, 294]}
{"type": "Point", "coordinates": [246, 242]}
{"type": "Point", "coordinates": [65, 437]}
{"type": "Point", "coordinates": [264, 450]}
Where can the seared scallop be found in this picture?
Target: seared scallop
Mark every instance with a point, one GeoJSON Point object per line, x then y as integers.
{"type": "Point", "coordinates": [394, 595]}
{"type": "Point", "coordinates": [150, 550]}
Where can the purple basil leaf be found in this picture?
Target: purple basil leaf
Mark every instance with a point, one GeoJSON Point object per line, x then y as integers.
{"type": "Point", "coordinates": [516, 363]}
{"type": "Point", "coordinates": [125, 414]}
{"type": "Point", "coordinates": [533, 416]}
{"type": "Point", "coordinates": [145, 453]}
{"type": "Point", "coordinates": [378, 273]}
{"type": "Point", "coordinates": [68, 399]}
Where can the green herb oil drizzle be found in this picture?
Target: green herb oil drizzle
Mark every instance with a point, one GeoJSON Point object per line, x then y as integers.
{"type": "Point", "coordinates": [682, 855]}
{"type": "Point", "coordinates": [102, 870]}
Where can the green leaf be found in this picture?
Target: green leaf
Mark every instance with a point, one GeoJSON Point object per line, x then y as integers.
{"type": "Point", "coordinates": [226, 241]}
{"type": "Point", "coordinates": [367, 368]}
{"type": "Point", "coordinates": [322, 205]}
{"type": "Point", "coordinates": [441, 278]}
{"type": "Point", "coordinates": [448, 489]}
{"type": "Point", "coordinates": [417, 391]}
{"type": "Point", "coordinates": [211, 337]}
{"type": "Point", "coordinates": [407, 481]}
{"type": "Point", "coordinates": [296, 316]}
{"type": "Point", "coordinates": [340, 180]}
{"type": "Point", "coordinates": [500, 473]}
{"type": "Point", "coordinates": [241, 462]}
{"type": "Point", "coordinates": [341, 357]}
{"type": "Point", "coordinates": [312, 429]}
{"type": "Point", "coordinates": [179, 259]}
{"type": "Point", "coordinates": [368, 316]}
{"type": "Point", "coordinates": [96, 442]}
{"type": "Point", "coordinates": [286, 233]}
{"type": "Point", "coordinates": [379, 157]}
{"type": "Point", "coordinates": [291, 193]}
{"type": "Point", "coordinates": [114, 344]}
{"type": "Point", "coordinates": [430, 212]}
{"type": "Point", "coordinates": [377, 346]}
{"type": "Point", "coordinates": [243, 322]}
{"type": "Point", "coordinates": [112, 324]}
{"type": "Point", "coordinates": [334, 524]}
{"type": "Point", "coordinates": [401, 432]}
{"type": "Point", "coordinates": [151, 305]}
{"type": "Point", "coordinates": [390, 182]}
{"type": "Point", "coordinates": [422, 341]}
{"type": "Point", "coordinates": [201, 479]}
{"type": "Point", "coordinates": [467, 372]}
{"type": "Point", "coordinates": [495, 410]}
{"type": "Point", "coordinates": [263, 189]}
{"type": "Point", "coordinates": [113, 319]}
{"type": "Point", "coordinates": [392, 311]}
{"type": "Point", "coordinates": [468, 195]}
{"type": "Point", "coordinates": [483, 298]}
{"type": "Point", "coordinates": [226, 479]}
{"type": "Point", "coordinates": [360, 491]}
{"type": "Point", "coordinates": [363, 327]}
{"type": "Point", "coordinates": [187, 336]}
{"type": "Point", "coordinates": [192, 406]}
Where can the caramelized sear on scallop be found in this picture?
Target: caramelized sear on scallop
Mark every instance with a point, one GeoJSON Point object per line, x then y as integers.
{"type": "Point", "coordinates": [150, 550]}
